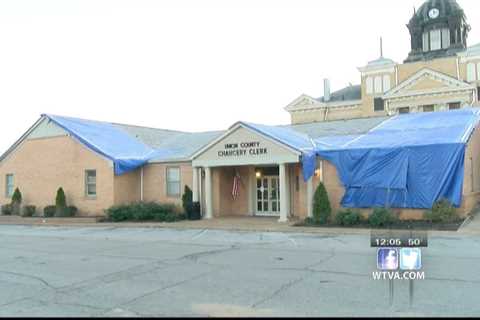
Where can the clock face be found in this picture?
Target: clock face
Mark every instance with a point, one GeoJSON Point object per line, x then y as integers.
{"type": "Point", "coordinates": [434, 13]}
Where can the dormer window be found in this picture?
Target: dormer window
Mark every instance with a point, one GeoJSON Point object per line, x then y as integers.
{"type": "Point", "coordinates": [436, 39]}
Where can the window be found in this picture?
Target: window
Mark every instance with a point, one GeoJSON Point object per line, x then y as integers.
{"type": "Point", "coordinates": [454, 106]}
{"type": "Point", "coordinates": [378, 104]}
{"type": "Point", "coordinates": [478, 93]}
{"type": "Point", "coordinates": [378, 84]}
{"type": "Point", "coordinates": [435, 40]}
{"type": "Point", "coordinates": [471, 72]}
{"type": "Point", "coordinates": [404, 110]}
{"type": "Point", "coordinates": [425, 42]}
{"type": "Point", "coordinates": [386, 83]}
{"type": "Point", "coordinates": [429, 108]}
{"type": "Point", "coordinates": [445, 38]}
{"type": "Point", "coordinates": [91, 183]}
{"type": "Point", "coordinates": [369, 85]}
{"type": "Point", "coordinates": [297, 183]}
{"type": "Point", "coordinates": [9, 185]}
{"type": "Point", "coordinates": [173, 182]}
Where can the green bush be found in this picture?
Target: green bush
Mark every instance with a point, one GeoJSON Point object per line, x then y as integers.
{"type": "Point", "coordinates": [60, 201]}
{"type": "Point", "coordinates": [49, 211]}
{"type": "Point", "coordinates": [145, 211]}
{"type": "Point", "coordinates": [7, 209]}
{"type": "Point", "coordinates": [442, 211]}
{"type": "Point", "coordinates": [382, 217]}
{"type": "Point", "coordinates": [17, 196]}
{"type": "Point", "coordinates": [16, 202]}
{"type": "Point", "coordinates": [187, 200]}
{"type": "Point", "coordinates": [29, 211]}
{"type": "Point", "coordinates": [321, 205]}
{"type": "Point", "coordinates": [348, 218]}
{"type": "Point", "coordinates": [66, 212]}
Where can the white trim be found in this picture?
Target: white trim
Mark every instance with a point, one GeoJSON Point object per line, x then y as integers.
{"type": "Point", "coordinates": [458, 68]}
{"type": "Point", "coordinates": [303, 100]}
{"type": "Point", "coordinates": [470, 58]}
{"type": "Point", "coordinates": [344, 104]}
{"type": "Point", "coordinates": [232, 129]}
{"type": "Point", "coordinates": [368, 71]}
{"type": "Point", "coordinates": [452, 83]}
{"type": "Point", "coordinates": [173, 196]}
{"type": "Point", "coordinates": [21, 139]}
{"type": "Point", "coordinates": [166, 161]}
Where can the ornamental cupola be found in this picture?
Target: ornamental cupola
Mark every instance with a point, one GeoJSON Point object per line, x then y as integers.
{"type": "Point", "coordinates": [438, 29]}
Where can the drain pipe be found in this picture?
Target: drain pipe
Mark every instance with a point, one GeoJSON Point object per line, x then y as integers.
{"type": "Point", "coordinates": [141, 183]}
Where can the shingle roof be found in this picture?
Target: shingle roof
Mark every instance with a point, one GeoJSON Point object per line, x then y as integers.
{"type": "Point", "coordinates": [339, 127]}
{"type": "Point", "coordinates": [345, 94]}
{"type": "Point", "coordinates": [181, 144]}
{"type": "Point", "coordinates": [184, 145]}
{"type": "Point", "coordinates": [171, 145]}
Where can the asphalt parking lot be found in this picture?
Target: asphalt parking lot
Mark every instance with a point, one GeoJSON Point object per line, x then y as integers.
{"type": "Point", "coordinates": [108, 271]}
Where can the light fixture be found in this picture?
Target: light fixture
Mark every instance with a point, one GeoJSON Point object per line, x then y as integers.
{"type": "Point", "coordinates": [258, 174]}
{"type": "Point", "coordinates": [318, 172]}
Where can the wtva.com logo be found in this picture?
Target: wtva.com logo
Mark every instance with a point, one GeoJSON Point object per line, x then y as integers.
{"type": "Point", "coordinates": [399, 264]}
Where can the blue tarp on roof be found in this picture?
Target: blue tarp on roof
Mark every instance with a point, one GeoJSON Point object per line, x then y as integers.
{"type": "Point", "coordinates": [126, 152]}
{"type": "Point", "coordinates": [294, 139]}
{"type": "Point", "coordinates": [409, 161]}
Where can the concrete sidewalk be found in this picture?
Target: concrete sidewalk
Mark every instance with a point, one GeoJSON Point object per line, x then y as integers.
{"type": "Point", "coordinates": [245, 224]}
{"type": "Point", "coordinates": [254, 224]}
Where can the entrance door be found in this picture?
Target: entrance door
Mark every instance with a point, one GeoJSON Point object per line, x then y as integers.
{"type": "Point", "coordinates": [268, 196]}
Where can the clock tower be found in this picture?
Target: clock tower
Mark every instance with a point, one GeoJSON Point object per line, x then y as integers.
{"type": "Point", "coordinates": [438, 29]}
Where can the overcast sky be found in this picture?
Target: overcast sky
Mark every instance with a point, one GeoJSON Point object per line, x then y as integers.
{"type": "Point", "coordinates": [188, 65]}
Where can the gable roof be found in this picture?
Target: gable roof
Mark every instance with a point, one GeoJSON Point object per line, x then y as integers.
{"type": "Point", "coordinates": [450, 82]}
{"type": "Point", "coordinates": [108, 140]}
{"type": "Point", "coordinates": [127, 146]}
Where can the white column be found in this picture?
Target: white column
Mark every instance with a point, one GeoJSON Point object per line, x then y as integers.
{"type": "Point", "coordinates": [251, 191]}
{"type": "Point", "coordinates": [195, 185]}
{"type": "Point", "coordinates": [283, 193]}
{"type": "Point", "coordinates": [208, 193]}
{"type": "Point", "coordinates": [310, 197]}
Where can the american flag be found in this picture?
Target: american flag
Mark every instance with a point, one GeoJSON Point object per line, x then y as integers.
{"type": "Point", "coordinates": [236, 186]}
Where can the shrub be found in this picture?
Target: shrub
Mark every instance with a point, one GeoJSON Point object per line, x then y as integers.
{"type": "Point", "coordinates": [348, 218]}
{"type": "Point", "coordinates": [60, 199]}
{"type": "Point", "coordinates": [16, 202]}
{"type": "Point", "coordinates": [145, 211]}
{"type": "Point", "coordinates": [60, 202]}
{"type": "Point", "coordinates": [17, 196]}
{"type": "Point", "coordinates": [382, 217]}
{"type": "Point", "coordinates": [442, 211]}
{"type": "Point", "coordinates": [29, 211]}
{"type": "Point", "coordinates": [7, 209]}
{"type": "Point", "coordinates": [321, 205]}
{"type": "Point", "coordinates": [66, 212]}
{"type": "Point", "coordinates": [187, 200]}
{"type": "Point", "coordinates": [49, 211]}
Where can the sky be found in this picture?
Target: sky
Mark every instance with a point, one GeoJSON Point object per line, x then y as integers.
{"type": "Point", "coordinates": [189, 65]}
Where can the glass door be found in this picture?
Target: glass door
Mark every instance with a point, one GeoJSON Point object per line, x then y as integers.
{"type": "Point", "coordinates": [268, 196]}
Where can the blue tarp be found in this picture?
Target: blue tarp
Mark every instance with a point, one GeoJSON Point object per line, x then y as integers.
{"type": "Point", "coordinates": [126, 152]}
{"type": "Point", "coordinates": [285, 135]}
{"type": "Point", "coordinates": [408, 161]}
